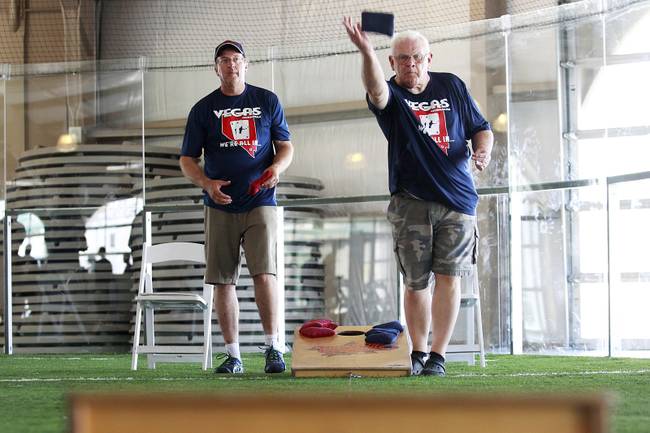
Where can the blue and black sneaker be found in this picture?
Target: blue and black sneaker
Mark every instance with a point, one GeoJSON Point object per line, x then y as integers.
{"type": "Point", "coordinates": [231, 365]}
{"type": "Point", "coordinates": [274, 361]}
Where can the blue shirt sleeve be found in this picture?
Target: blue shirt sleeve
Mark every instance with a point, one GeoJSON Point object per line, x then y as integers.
{"type": "Point", "coordinates": [279, 127]}
{"type": "Point", "coordinates": [389, 104]}
{"type": "Point", "coordinates": [194, 138]}
{"type": "Point", "coordinates": [474, 120]}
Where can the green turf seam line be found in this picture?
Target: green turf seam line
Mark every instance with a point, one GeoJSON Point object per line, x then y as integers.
{"type": "Point", "coordinates": [248, 378]}
{"type": "Point", "coordinates": [128, 379]}
{"type": "Point", "coordinates": [554, 373]}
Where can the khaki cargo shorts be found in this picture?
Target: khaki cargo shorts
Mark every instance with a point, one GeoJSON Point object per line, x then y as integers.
{"type": "Point", "coordinates": [226, 233]}
{"type": "Point", "coordinates": [429, 238]}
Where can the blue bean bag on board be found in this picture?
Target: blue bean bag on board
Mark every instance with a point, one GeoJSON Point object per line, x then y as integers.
{"type": "Point", "coordinates": [384, 334]}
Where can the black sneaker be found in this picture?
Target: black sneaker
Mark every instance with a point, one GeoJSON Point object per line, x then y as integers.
{"type": "Point", "coordinates": [417, 362]}
{"type": "Point", "coordinates": [433, 367]}
{"type": "Point", "coordinates": [274, 361]}
{"type": "Point", "coordinates": [231, 365]}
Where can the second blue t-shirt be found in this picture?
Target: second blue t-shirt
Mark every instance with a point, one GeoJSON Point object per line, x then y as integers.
{"type": "Point", "coordinates": [235, 134]}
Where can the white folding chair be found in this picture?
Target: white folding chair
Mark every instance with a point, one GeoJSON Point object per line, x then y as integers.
{"type": "Point", "coordinates": [147, 300]}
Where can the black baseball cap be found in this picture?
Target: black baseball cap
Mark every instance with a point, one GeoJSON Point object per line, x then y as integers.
{"type": "Point", "coordinates": [229, 44]}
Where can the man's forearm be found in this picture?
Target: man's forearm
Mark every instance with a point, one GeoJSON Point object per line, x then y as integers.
{"type": "Point", "coordinates": [483, 141]}
{"type": "Point", "coordinates": [283, 155]}
{"type": "Point", "coordinates": [193, 171]}
{"type": "Point", "coordinates": [373, 79]}
{"type": "Point", "coordinates": [372, 75]}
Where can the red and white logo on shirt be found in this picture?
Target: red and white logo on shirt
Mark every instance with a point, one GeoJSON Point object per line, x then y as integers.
{"type": "Point", "coordinates": [432, 121]}
{"type": "Point", "coordinates": [238, 125]}
{"type": "Point", "coordinates": [241, 132]}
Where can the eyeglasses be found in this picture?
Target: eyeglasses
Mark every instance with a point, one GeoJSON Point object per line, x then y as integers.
{"type": "Point", "coordinates": [228, 60]}
{"type": "Point", "coordinates": [405, 59]}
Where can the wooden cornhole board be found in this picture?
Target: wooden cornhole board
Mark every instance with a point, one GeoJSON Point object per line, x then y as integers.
{"type": "Point", "coordinates": [319, 413]}
{"type": "Point", "coordinates": [343, 356]}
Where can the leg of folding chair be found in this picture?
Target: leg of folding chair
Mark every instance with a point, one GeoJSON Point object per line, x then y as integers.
{"type": "Point", "coordinates": [479, 320]}
{"type": "Point", "coordinates": [210, 345]}
{"type": "Point", "coordinates": [207, 327]}
{"type": "Point", "coordinates": [206, 337]}
{"type": "Point", "coordinates": [136, 337]}
{"type": "Point", "coordinates": [150, 334]}
{"type": "Point", "coordinates": [211, 341]}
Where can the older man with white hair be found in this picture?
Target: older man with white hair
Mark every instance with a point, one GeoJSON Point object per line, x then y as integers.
{"type": "Point", "coordinates": [428, 119]}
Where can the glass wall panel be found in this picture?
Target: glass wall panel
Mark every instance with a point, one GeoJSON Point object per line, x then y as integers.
{"type": "Point", "coordinates": [69, 293]}
{"type": "Point", "coordinates": [355, 246]}
{"type": "Point", "coordinates": [627, 31]}
{"type": "Point", "coordinates": [611, 123]}
{"type": "Point", "coordinates": [601, 157]}
{"type": "Point", "coordinates": [70, 192]}
{"type": "Point", "coordinates": [485, 76]}
{"type": "Point", "coordinates": [335, 135]}
{"type": "Point", "coordinates": [564, 291]}
{"type": "Point", "coordinates": [493, 270]}
{"type": "Point", "coordinates": [583, 50]}
{"type": "Point", "coordinates": [630, 268]}
{"type": "Point", "coordinates": [2, 201]}
{"type": "Point", "coordinates": [536, 151]}
{"type": "Point", "coordinates": [615, 106]}
{"type": "Point", "coordinates": [587, 269]}
{"type": "Point", "coordinates": [488, 86]}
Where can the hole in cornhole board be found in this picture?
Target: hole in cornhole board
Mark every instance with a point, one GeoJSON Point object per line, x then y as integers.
{"type": "Point", "coordinates": [350, 333]}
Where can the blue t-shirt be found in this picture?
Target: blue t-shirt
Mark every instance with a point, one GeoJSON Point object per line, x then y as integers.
{"type": "Point", "coordinates": [427, 135]}
{"type": "Point", "coordinates": [235, 135]}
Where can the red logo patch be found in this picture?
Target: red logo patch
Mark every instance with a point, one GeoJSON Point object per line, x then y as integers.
{"type": "Point", "coordinates": [434, 125]}
{"type": "Point", "coordinates": [242, 132]}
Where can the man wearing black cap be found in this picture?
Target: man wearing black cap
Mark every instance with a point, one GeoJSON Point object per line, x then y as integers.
{"type": "Point", "coordinates": [241, 131]}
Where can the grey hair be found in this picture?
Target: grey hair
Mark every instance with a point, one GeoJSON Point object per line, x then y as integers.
{"type": "Point", "coordinates": [409, 35]}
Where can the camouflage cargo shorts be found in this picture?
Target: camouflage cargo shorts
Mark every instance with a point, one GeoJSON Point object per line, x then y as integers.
{"type": "Point", "coordinates": [429, 238]}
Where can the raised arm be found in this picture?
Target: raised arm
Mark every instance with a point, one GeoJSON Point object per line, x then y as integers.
{"type": "Point", "coordinates": [372, 75]}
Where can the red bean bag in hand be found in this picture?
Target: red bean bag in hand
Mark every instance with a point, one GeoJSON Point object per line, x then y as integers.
{"type": "Point", "coordinates": [256, 185]}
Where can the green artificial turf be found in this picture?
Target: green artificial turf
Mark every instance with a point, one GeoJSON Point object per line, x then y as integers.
{"type": "Point", "coordinates": [33, 389]}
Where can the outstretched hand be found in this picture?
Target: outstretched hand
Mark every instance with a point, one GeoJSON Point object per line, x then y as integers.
{"type": "Point", "coordinates": [358, 37]}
